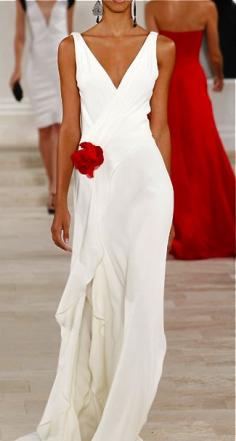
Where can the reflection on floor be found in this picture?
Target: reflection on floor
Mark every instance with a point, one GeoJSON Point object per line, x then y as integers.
{"type": "Point", "coordinates": [195, 397]}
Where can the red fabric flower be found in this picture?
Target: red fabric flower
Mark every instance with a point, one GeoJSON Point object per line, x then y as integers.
{"type": "Point", "coordinates": [87, 158]}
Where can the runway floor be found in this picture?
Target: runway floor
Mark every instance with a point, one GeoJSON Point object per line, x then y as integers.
{"type": "Point", "coordinates": [195, 399]}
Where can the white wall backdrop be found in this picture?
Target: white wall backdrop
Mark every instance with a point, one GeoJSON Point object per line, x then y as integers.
{"type": "Point", "coordinates": [16, 121]}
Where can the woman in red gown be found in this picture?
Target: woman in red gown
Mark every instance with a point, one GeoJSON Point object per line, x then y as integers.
{"type": "Point", "coordinates": [202, 176]}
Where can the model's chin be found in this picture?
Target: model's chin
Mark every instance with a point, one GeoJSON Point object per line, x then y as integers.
{"type": "Point", "coordinates": [119, 1]}
{"type": "Point", "coordinates": [117, 5]}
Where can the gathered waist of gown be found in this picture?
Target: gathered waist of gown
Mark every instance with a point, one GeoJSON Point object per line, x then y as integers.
{"type": "Point", "coordinates": [128, 128]}
{"type": "Point", "coordinates": [117, 144]}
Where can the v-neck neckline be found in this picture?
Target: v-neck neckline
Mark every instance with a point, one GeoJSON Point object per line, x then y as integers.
{"type": "Point", "coordinates": [138, 54]}
{"type": "Point", "coordinates": [46, 22]}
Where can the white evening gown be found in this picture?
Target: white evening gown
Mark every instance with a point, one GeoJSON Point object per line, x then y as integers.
{"type": "Point", "coordinates": [42, 75]}
{"type": "Point", "coordinates": [111, 312]}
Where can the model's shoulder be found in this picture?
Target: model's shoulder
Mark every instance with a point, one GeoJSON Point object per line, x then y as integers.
{"type": "Point", "coordinates": [165, 53]}
{"type": "Point", "coordinates": [94, 31]}
{"type": "Point", "coordinates": [165, 48]}
{"type": "Point", "coordinates": [66, 50]}
{"type": "Point", "coordinates": [210, 8]}
{"type": "Point", "coordinates": [210, 5]}
{"type": "Point", "coordinates": [139, 32]}
{"type": "Point", "coordinates": [66, 44]}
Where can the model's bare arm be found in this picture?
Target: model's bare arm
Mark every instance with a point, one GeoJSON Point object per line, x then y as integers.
{"type": "Point", "coordinates": [159, 102]}
{"type": "Point", "coordinates": [19, 42]}
{"type": "Point", "coordinates": [150, 16]}
{"type": "Point", "coordinates": [70, 16]}
{"type": "Point", "coordinates": [68, 140]}
{"type": "Point", "coordinates": [213, 44]}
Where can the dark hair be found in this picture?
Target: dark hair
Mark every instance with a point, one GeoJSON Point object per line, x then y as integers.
{"type": "Point", "coordinates": [69, 4]}
{"type": "Point", "coordinates": [23, 4]}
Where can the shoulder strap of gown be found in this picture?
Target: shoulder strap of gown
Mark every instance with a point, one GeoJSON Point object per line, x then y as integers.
{"type": "Point", "coordinates": [76, 38]}
{"type": "Point", "coordinates": [154, 42]}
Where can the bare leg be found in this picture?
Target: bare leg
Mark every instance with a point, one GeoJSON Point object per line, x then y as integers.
{"type": "Point", "coordinates": [48, 140]}
{"type": "Point", "coordinates": [45, 149]}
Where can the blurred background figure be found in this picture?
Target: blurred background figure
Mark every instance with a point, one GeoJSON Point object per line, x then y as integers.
{"type": "Point", "coordinates": [227, 30]}
{"type": "Point", "coordinates": [202, 176]}
{"type": "Point", "coordinates": [49, 22]}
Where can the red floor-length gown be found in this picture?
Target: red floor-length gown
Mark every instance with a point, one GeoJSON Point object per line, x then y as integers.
{"type": "Point", "coordinates": [202, 176]}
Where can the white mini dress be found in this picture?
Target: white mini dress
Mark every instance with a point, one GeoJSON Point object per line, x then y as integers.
{"type": "Point", "coordinates": [42, 75]}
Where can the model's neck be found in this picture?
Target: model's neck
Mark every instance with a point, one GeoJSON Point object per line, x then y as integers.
{"type": "Point", "coordinates": [117, 23]}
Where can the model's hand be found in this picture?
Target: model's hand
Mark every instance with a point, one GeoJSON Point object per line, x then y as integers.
{"type": "Point", "coordinates": [16, 76]}
{"type": "Point", "coordinates": [60, 228]}
{"type": "Point", "coordinates": [171, 237]}
{"type": "Point", "coordinates": [218, 84]}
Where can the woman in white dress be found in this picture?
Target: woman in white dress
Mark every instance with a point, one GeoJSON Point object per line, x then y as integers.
{"type": "Point", "coordinates": [114, 85]}
{"type": "Point", "coordinates": [49, 22]}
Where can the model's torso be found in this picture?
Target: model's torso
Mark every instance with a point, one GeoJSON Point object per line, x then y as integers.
{"type": "Point", "coordinates": [114, 53]}
{"type": "Point", "coordinates": [120, 111]}
{"type": "Point", "coordinates": [47, 27]}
